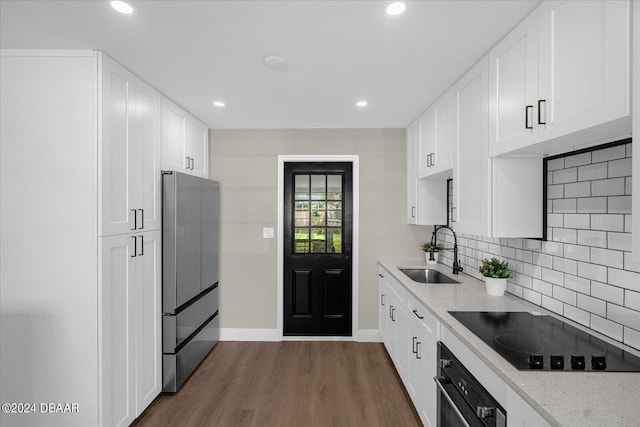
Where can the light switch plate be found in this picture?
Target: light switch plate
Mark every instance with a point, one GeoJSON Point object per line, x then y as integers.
{"type": "Point", "coordinates": [267, 233]}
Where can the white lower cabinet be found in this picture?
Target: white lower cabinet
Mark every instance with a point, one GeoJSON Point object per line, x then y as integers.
{"type": "Point", "coordinates": [409, 333]}
{"type": "Point", "coordinates": [129, 290]}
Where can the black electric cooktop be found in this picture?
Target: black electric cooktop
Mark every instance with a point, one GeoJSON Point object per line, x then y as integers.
{"type": "Point", "coordinates": [532, 341]}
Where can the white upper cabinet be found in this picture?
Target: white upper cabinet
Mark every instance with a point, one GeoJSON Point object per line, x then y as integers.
{"type": "Point", "coordinates": [635, 199]}
{"type": "Point", "coordinates": [563, 72]}
{"type": "Point", "coordinates": [426, 198]}
{"type": "Point", "coordinates": [435, 133]}
{"type": "Point", "coordinates": [185, 141]}
{"type": "Point", "coordinates": [130, 180]}
{"type": "Point", "coordinates": [513, 86]}
{"type": "Point", "coordinates": [471, 169]}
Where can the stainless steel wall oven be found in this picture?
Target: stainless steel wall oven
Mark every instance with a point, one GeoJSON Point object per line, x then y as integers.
{"type": "Point", "coordinates": [462, 400]}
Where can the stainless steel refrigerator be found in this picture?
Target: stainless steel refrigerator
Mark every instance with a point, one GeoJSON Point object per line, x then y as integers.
{"type": "Point", "coordinates": [190, 242]}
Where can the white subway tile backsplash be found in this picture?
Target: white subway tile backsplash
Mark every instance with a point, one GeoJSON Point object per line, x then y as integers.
{"type": "Point", "coordinates": [607, 222]}
{"type": "Point", "coordinates": [542, 287]}
{"type": "Point", "coordinates": [619, 205]}
{"type": "Point", "coordinates": [611, 153]}
{"type": "Point", "coordinates": [608, 187]}
{"type": "Point", "coordinates": [552, 304]}
{"type": "Point", "coordinates": [607, 292]}
{"type": "Point", "coordinates": [579, 253]}
{"type": "Point", "coordinates": [565, 235]}
{"type": "Point", "coordinates": [591, 172]}
{"type": "Point", "coordinates": [619, 241]}
{"type": "Point", "coordinates": [563, 205]}
{"type": "Point", "coordinates": [565, 265]}
{"type": "Point", "coordinates": [606, 327]}
{"type": "Point", "coordinates": [618, 168]}
{"type": "Point", "coordinates": [624, 316]}
{"type": "Point", "coordinates": [632, 300]}
{"type": "Point", "coordinates": [577, 159]}
{"type": "Point", "coordinates": [578, 284]}
{"type": "Point", "coordinates": [552, 276]}
{"type": "Point", "coordinates": [592, 205]}
{"type": "Point", "coordinates": [592, 305]}
{"type": "Point", "coordinates": [532, 296]}
{"type": "Point", "coordinates": [577, 189]}
{"type": "Point", "coordinates": [584, 270]}
{"type": "Point", "coordinates": [624, 279]}
{"type": "Point", "coordinates": [607, 257]}
{"type": "Point", "coordinates": [592, 271]}
{"type": "Point", "coordinates": [581, 220]}
{"type": "Point", "coordinates": [556, 191]}
{"type": "Point", "coordinates": [577, 315]}
{"type": "Point", "coordinates": [632, 337]}
{"type": "Point", "coordinates": [592, 238]}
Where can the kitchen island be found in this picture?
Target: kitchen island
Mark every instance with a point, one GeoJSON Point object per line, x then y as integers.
{"type": "Point", "coordinates": [561, 398]}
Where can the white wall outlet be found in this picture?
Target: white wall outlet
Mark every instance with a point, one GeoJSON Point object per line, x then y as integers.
{"type": "Point", "coordinates": [267, 233]}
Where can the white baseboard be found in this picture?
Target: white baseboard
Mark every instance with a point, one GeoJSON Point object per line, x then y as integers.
{"type": "Point", "coordinates": [241, 334]}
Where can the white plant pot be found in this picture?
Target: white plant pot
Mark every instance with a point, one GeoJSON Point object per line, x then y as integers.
{"type": "Point", "coordinates": [495, 287]}
{"type": "Point", "coordinates": [435, 256]}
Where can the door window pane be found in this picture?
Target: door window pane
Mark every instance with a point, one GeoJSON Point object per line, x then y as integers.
{"type": "Point", "coordinates": [318, 187]}
{"type": "Point", "coordinates": [301, 242]}
{"type": "Point", "coordinates": [334, 214]}
{"type": "Point", "coordinates": [318, 216]}
{"type": "Point", "coordinates": [334, 240]}
{"type": "Point", "coordinates": [302, 187]}
{"type": "Point", "coordinates": [302, 214]}
{"type": "Point", "coordinates": [334, 187]}
{"type": "Point", "coordinates": [318, 238]}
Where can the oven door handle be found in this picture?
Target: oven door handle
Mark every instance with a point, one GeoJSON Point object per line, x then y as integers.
{"type": "Point", "coordinates": [453, 405]}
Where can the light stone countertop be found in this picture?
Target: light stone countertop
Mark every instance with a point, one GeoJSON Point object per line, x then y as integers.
{"type": "Point", "coordinates": [562, 398]}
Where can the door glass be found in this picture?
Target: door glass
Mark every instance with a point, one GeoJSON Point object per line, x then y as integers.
{"type": "Point", "coordinates": [318, 214]}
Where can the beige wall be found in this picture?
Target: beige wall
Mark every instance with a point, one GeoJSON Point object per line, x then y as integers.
{"type": "Point", "coordinates": [246, 164]}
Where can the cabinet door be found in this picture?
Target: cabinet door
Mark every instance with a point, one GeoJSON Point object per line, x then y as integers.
{"type": "Point", "coordinates": [513, 88]}
{"type": "Point", "coordinates": [427, 134]}
{"type": "Point", "coordinates": [441, 158]}
{"type": "Point", "coordinates": [174, 121]}
{"type": "Point", "coordinates": [149, 318]}
{"type": "Point", "coordinates": [471, 170]}
{"type": "Point", "coordinates": [584, 65]}
{"type": "Point", "coordinates": [117, 326]}
{"type": "Point", "coordinates": [149, 134]}
{"type": "Point", "coordinates": [119, 151]}
{"type": "Point", "coordinates": [412, 195]}
{"type": "Point", "coordinates": [198, 147]}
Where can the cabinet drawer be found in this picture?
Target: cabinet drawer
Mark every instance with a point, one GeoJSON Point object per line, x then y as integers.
{"type": "Point", "coordinates": [424, 317]}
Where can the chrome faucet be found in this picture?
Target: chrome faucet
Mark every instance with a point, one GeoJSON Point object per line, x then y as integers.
{"type": "Point", "coordinates": [456, 263]}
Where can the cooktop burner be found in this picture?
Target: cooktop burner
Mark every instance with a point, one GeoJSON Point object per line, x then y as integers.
{"type": "Point", "coordinates": [533, 341]}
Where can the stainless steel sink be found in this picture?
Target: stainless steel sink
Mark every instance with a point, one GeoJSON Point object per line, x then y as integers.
{"type": "Point", "coordinates": [424, 275]}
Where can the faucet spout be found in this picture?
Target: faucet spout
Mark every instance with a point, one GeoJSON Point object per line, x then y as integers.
{"type": "Point", "coordinates": [456, 262]}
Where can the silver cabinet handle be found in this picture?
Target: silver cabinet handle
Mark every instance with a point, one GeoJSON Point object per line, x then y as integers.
{"type": "Point", "coordinates": [193, 163]}
{"type": "Point", "coordinates": [141, 219]}
{"type": "Point", "coordinates": [382, 299]}
{"type": "Point", "coordinates": [433, 159]}
{"type": "Point", "coordinates": [413, 211]}
{"type": "Point", "coordinates": [141, 245]}
{"type": "Point", "coordinates": [540, 122]}
{"type": "Point", "coordinates": [418, 343]}
{"type": "Point", "coordinates": [135, 247]}
{"type": "Point", "coordinates": [135, 220]}
{"type": "Point", "coordinates": [526, 116]}
{"type": "Point", "coordinates": [188, 162]}
{"type": "Point", "coordinates": [453, 405]}
{"type": "Point", "coordinates": [413, 345]}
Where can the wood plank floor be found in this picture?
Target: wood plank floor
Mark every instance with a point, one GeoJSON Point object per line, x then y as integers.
{"type": "Point", "coordinates": [288, 384]}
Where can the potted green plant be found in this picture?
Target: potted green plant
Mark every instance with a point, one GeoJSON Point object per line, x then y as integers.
{"type": "Point", "coordinates": [495, 274]}
{"type": "Point", "coordinates": [426, 247]}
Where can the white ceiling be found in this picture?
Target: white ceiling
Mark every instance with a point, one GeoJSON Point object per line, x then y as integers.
{"type": "Point", "coordinates": [337, 52]}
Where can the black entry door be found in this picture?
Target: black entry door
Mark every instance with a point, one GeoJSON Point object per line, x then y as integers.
{"type": "Point", "coordinates": [317, 248]}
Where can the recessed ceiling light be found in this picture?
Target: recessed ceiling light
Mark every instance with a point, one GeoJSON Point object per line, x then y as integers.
{"type": "Point", "coordinates": [361, 104]}
{"type": "Point", "coordinates": [218, 104]}
{"type": "Point", "coordinates": [122, 7]}
{"type": "Point", "coordinates": [275, 61]}
{"type": "Point", "coordinates": [396, 8]}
